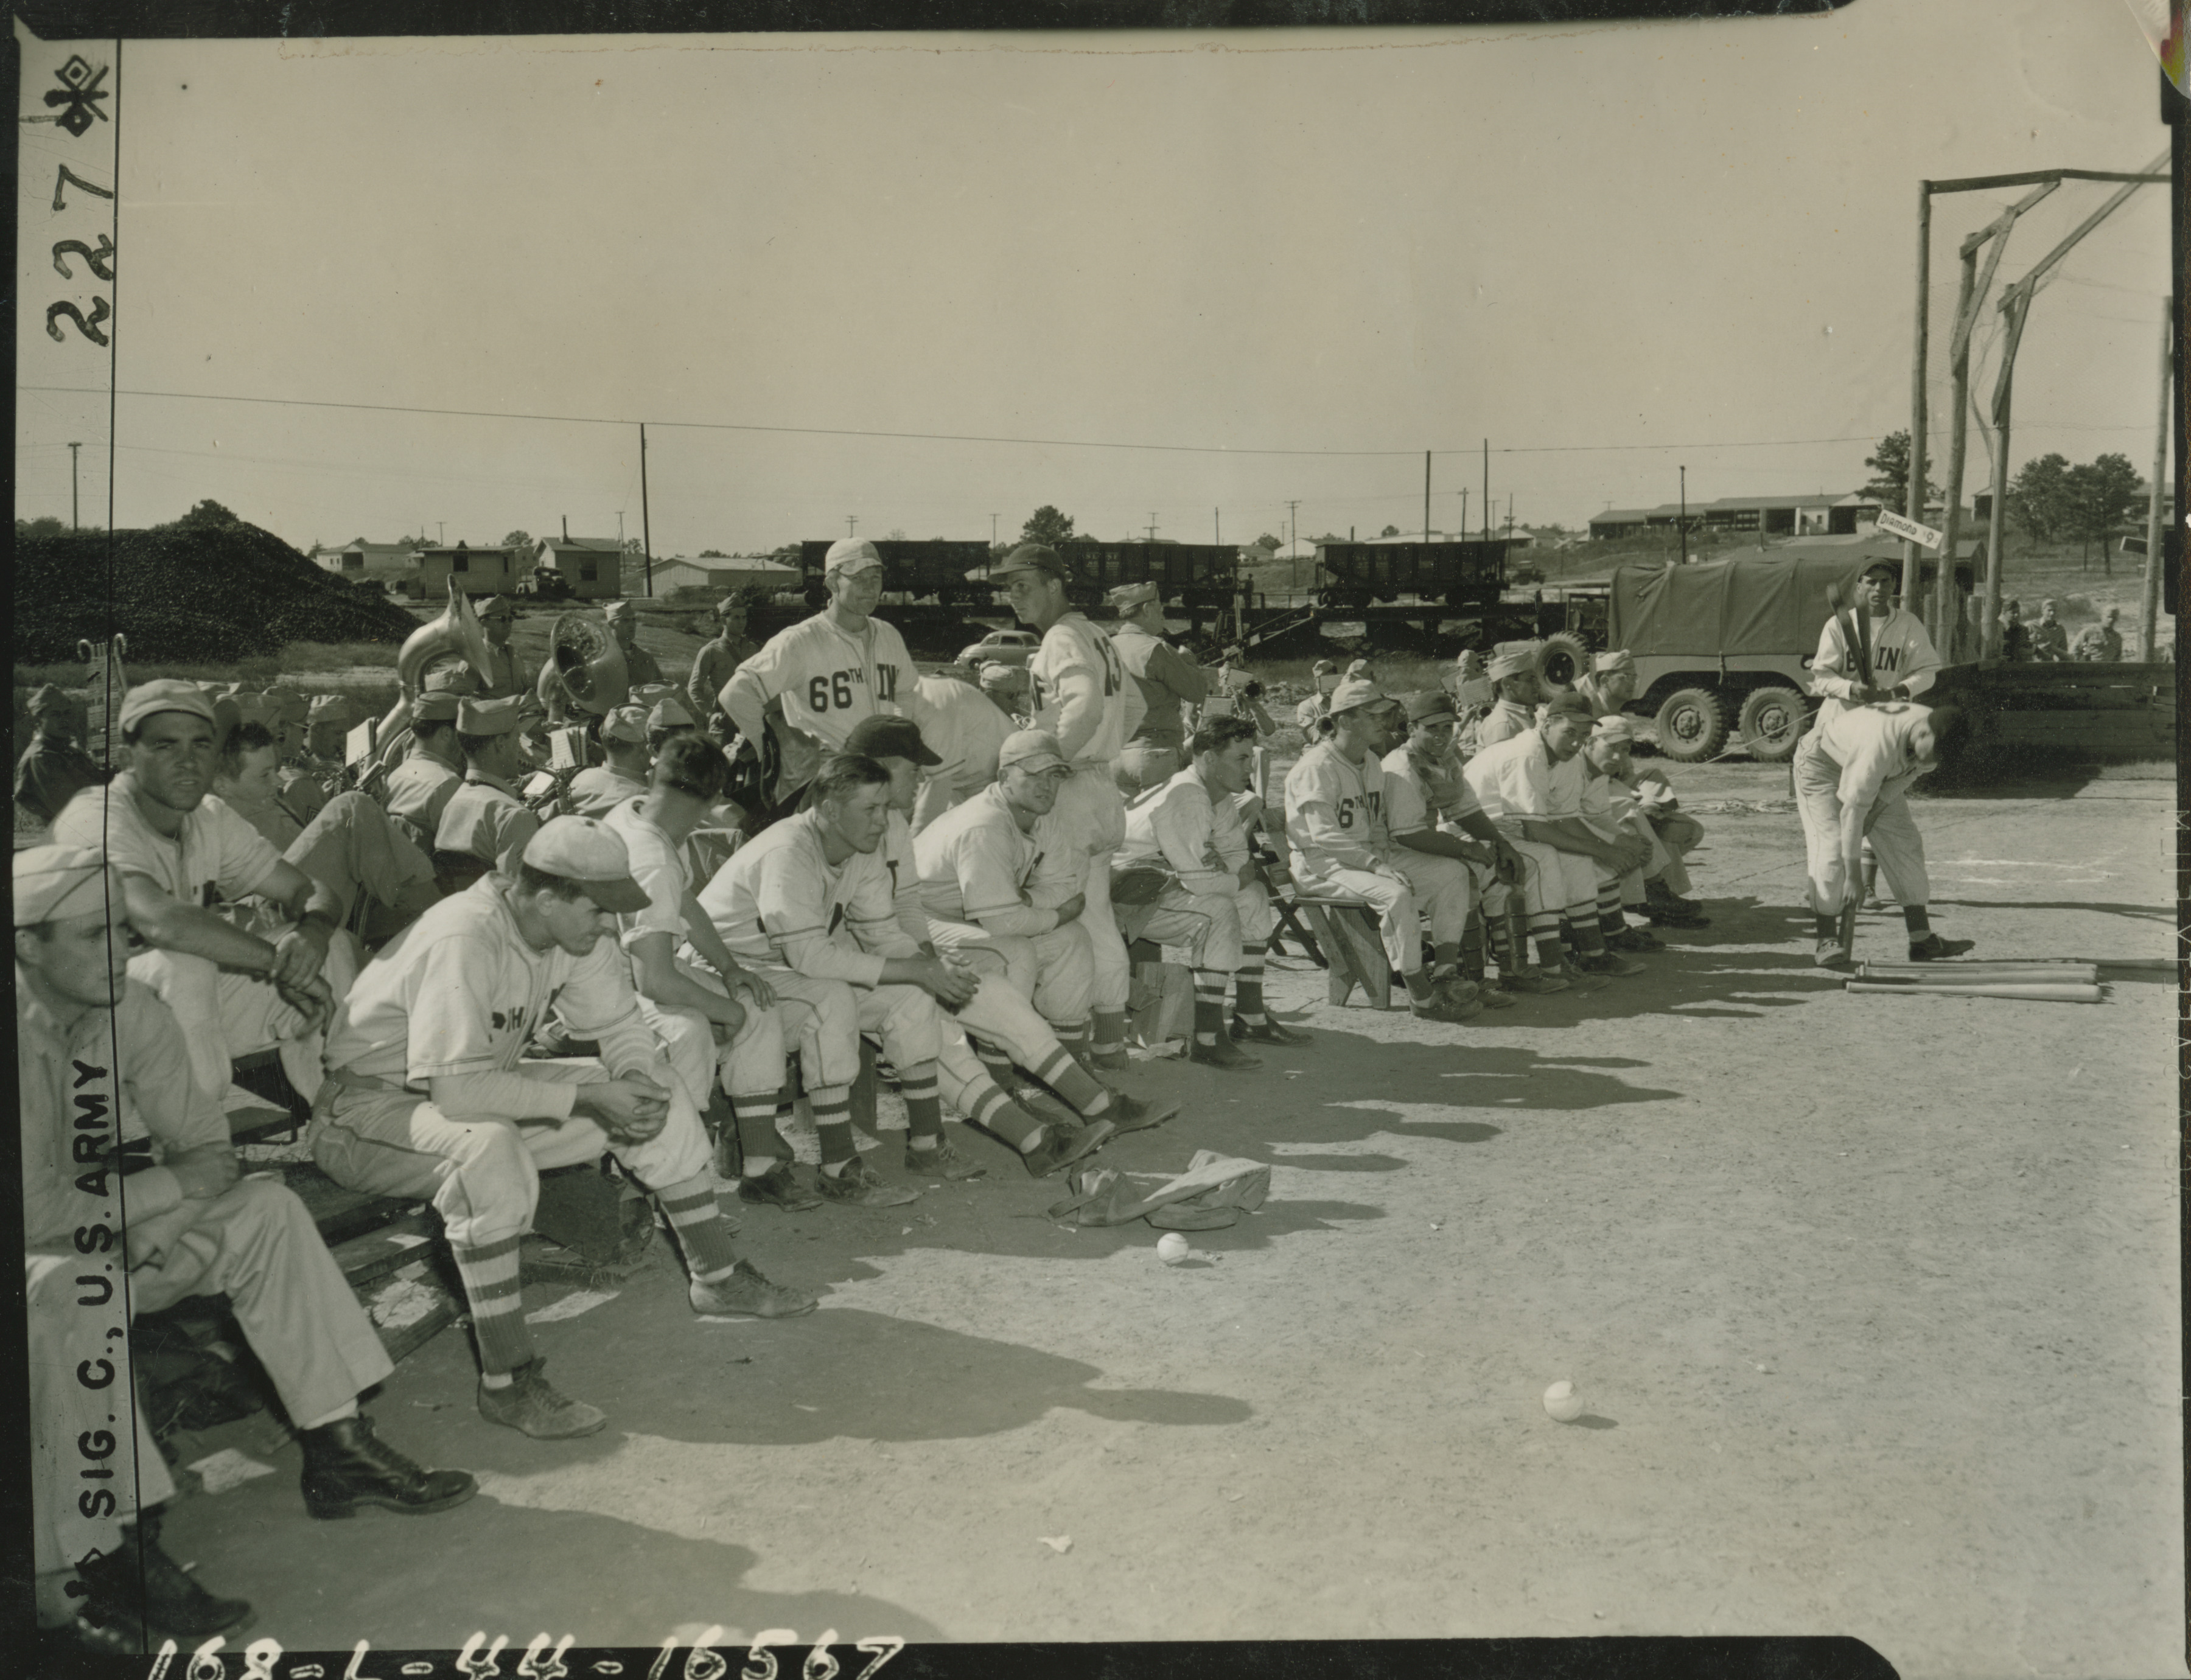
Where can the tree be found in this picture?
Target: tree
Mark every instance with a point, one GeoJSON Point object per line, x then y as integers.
{"type": "Point", "coordinates": [712, 554]}
{"type": "Point", "coordinates": [29, 529]}
{"type": "Point", "coordinates": [2097, 496]}
{"type": "Point", "coordinates": [2039, 497]}
{"type": "Point", "coordinates": [522, 541]}
{"type": "Point", "coordinates": [1047, 526]}
{"type": "Point", "coordinates": [895, 534]}
{"type": "Point", "coordinates": [1390, 531]}
{"type": "Point", "coordinates": [208, 515]}
{"type": "Point", "coordinates": [1268, 544]}
{"type": "Point", "coordinates": [1890, 473]}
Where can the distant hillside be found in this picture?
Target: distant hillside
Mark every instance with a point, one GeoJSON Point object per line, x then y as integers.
{"type": "Point", "coordinates": [209, 594]}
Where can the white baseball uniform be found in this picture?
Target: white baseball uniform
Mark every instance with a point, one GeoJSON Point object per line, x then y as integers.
{"type": "Point", "coordinates": [965, 728]}
{"type": "Point", "coordinates": [1862, 760]}
{"type": "Point", "coordinates": [1897, 648]}
{"type": "Point", "coordinates": [1085, 698]}
{"type": "Point", "coordinates": [1334, 824]}
{"type": "Point", "coordinates": [1183, 826]}
{"type": "Point", "coordinates": [1443, 886]}
{"type": "Point", "coordinates": [1517, 779]}
{"type": "Point", "coordinates": [820, 681]}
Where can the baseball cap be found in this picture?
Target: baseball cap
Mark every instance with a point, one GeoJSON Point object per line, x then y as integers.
{"type": "Point", "coordinates": [1614, 728]}
{"type": "Point", "coordinates": [166, 693]}
{"type": "Point", "coordinates": [487, 717]}
{"type": "Point", "coordinates": [1566, 705]}
{"type": "Point", "coordinates": [625, 723]}
{"type": "Point", "coordinates": [1033, 557]}
{"type": "Point", "coordinates": [886, 737]}
{"type": "Point", "coordinates": [592, 855]}
{"type": "Point", "coordinates": [852, 554]}
{"type": "Point", "coordinates": [1429, 704]}
{"type": "Point", "coordinates": [436, 708]}
{"type": "Point", "coordinates": [1353, 691]}
{"type": "Point", "coordinates": [498, 606]}
{"type": "Point", "coordinates": [1129, 596]}
{"type": "Point", "coordinates": [56, 883]}
{"type": "Point", "coordinates": [996, 674]}
{"type": "Point", "coordinates": [1038, 749]}
{"type": "Point", "coordinates": [1890, 567]}
{"type": "Point", "coordinates": [669, 714]}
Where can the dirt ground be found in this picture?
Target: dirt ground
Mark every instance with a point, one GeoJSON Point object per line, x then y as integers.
{"type": "Point", "coordinates": [1874, 1304]}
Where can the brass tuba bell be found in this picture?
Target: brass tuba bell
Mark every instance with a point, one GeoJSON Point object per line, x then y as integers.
{"type": "Point", "coordinates": [588, 664]}
{"type": "Point", "coordinates": [455, 629]}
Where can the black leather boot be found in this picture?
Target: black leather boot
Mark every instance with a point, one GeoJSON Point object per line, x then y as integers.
{"type": "Point", "coordinates": [346, 1466]}
{"type": "Point", "coordinates": [138, 1596]}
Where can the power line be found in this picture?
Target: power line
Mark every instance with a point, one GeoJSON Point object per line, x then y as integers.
{"type": "Point", "coordinates": [934, 437]}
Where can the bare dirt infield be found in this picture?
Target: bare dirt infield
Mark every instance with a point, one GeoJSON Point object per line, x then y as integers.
{"type": "Point", "coordinates": [1873, 1301]}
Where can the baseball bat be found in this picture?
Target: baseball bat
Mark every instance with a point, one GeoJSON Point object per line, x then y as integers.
{"type": "Point", "coordinates": [1932, 973]}
{"type": "Point", "coordinates": [2040, 993]}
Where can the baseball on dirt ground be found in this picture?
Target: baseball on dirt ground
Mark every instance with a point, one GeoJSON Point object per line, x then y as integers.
{"type": "Point", "coordinates": [1563, 1404]}
{"type": "Point", "coordinates": [1171, 1248]}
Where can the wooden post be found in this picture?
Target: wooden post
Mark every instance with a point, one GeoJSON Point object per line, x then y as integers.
{"type": "Point", "coordinates": [2148, 609]}
{"type": "Point", "coordinates": [646, 526]}
{"type": "Point", "coordinates": [1958, 406]}
{"type": "Point", "coordinates": [2017, 304]}
{"type": "Point", "coordinates": [1915, 497]}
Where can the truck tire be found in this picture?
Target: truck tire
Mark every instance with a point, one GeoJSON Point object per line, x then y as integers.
{"type": "Point", "coordinates": [1692, 726]}
{"type": "Point", "coordinates": [1562, 658]}
{"type": "Point", "coordinates": [1772, 723]}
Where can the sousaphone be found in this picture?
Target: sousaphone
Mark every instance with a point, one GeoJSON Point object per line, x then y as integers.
{"type": "Point", "coordinates": [457, 629]}
{"type": "Point", "coordinates": [588, 664]}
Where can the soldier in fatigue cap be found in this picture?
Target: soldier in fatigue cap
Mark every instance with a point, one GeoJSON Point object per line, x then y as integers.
{"type": "Point", "coordinates": [487, 818]}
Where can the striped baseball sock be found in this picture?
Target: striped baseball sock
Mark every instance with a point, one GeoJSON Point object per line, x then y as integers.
{"type": "Point", "coordinates": [1580, 929]}
{"type": "Point", "coordinates": [1210, 989]}
{"type": "Point", "coordinates": [833, 1124]}
{"type": "Point", "coordinates": [1073, 1036]}
{"type": "Point", "coordinates": [1081, 1089]}
{"type": "Point", "coordinates": [995, 1060]}
{"type": "Point", "coordinates": [759, 1145]}
{"type": "Point", "coordinates": [1110, 1032]}
{"type": "Point", "coordinates": [491, 1290]}
{"type": "Point", "coordinates": [1610, 920]}
{"type": "Point", "coordinates": [699, 1227]}
{"type": "Point", "coordinates": [1248, 985]}
{"type": "Point", "coordinates": [923, 1107]}
{"type": "Point", "coordinates": [1545, 933]}
{"type": "Point", "coordinates": [988, 1107]}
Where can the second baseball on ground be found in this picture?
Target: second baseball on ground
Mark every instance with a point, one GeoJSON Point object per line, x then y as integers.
{"type": "Point", "coordinates": [1562, 1403]}
{"type": "Point", "coordinates": [1171, 1248]}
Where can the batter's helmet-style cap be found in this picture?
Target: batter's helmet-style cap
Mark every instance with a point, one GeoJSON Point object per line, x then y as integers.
{"type": "Point", "coordinates": [852, 554]}
{"type": "Point", "coordinates": [583, 851]}
{"type": "Point", "coordinates": [887, 737]}
{"type": "Point", "coordinates": [1034, 557]}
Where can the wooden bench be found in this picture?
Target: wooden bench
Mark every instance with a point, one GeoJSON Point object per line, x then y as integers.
{"type": "Point", "coordinates": [1348, 931]}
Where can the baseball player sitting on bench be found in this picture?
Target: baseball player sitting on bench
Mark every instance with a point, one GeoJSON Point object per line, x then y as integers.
{"type": "Point", "coordinates": [978, 1078]}
{"type": "Point", "coordinates": [1531, 787]}
{"type": "Point", "coordinates": [427, 1095]}
{"type": "Point", "coordinates": [809, 905]}
{"type": "Point", "coordinates": [87, 1037]}
{"type": "Point", "coordinates": [1192, 826]}
{"type": "Point", "coordinates": [1335, 823]}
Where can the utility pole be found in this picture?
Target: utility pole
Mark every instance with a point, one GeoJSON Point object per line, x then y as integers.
{"type": "Point", "coordinates": [1216, 528]}
{"type": "Point", "coordinates": [441, 532]}
{"type": "Point", "coordinates": [1914, 496]}
{"type": "Point", "coordinates": [993, 531]}
{"type": "Point", "coordinates": [1464, 510]}
{"type": "Point", "coordinates": [1293, 541]}
{"type": "Point", "coordinates": [646, 524]}
{"type": "Point", "coordinates": [1426, 498]}
{"type": "Point", "coordinates": [1487, 487]}
{"type": "Point", "coordinates": [75, 511]}
{"type": "Point", "coordinates": [2149, 599]}
{"type": "Point", "coordinates": [851, 524]}
{"type": "Point", "coordinates": [1152, 527]}
{"type": "Point", "coordinates": [1682, 526]}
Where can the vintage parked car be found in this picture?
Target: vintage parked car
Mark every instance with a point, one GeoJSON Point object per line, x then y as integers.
{"type": "Point", "coordinates": [1002, 647]}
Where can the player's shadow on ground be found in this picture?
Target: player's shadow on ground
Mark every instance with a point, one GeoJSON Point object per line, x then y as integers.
{"type": "Point", "coordinates": [849, 1374]}
{"type": "Point", "coordinates": [2134, 912]}
{"type": "Point", "coordinates": [502, 1569]}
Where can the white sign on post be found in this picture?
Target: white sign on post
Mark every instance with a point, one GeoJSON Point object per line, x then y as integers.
{"type": "Point", "coordinates": [1893, 524]}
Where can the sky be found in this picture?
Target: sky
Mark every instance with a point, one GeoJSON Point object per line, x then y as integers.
{"type": "Point", "coordinates": [1178, 281]}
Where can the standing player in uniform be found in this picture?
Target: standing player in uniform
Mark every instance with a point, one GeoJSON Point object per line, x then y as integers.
{"type": "Point", "coordinates": [427, 1095]}
{"type": "Point", "coordinates": [1083, 699]}
{"type": "Point", "coordinates": [796, 700]}
{"type": "Point", "coordinates": [1335, 820]}
{"type": "Point", "coordinates": [1870, 653]}
{"type": "Point", "coordinates": [1853, 787]}
{"type": "Point", "coordinates": [1168, 680]}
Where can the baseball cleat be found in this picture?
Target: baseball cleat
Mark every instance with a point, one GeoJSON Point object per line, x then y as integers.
{"type": "Point", "coordinates": [1220, 1053]}
{"type": "Point", "coordinates": [1607, 963]}
{"type": "Point", "coordinates": [1932, 948]}
{"type": "Point", "coordinates": [778, 1187]}
{"type": "Point", "coordinates": [1532, 981]}
{"type": "Point", "coordinates": [1130, 1114]}
{"type": "Point", "coordinates": [1267, 1032]}
{"type": "Point", "coordinates": [747, 1292]}
{"type": "Point", "coordinates": [1062, 1146]}
{"type": "Point", "coordinates": [943, 1162]}
{"type": "Point", "coordinates": [531, 1405]}
{"type": "Point", "coordinates": [1830, 954]}
{"type": "Point", "coordinates": [859, 1185]}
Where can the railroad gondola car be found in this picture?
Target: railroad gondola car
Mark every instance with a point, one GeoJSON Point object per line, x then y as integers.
{"type": "Point", "coordinates": [1461, 575]}
{"type": "Point", "coordinates": [1189, 574]}
{"type": "Point", "coordinates": [935, 570]}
